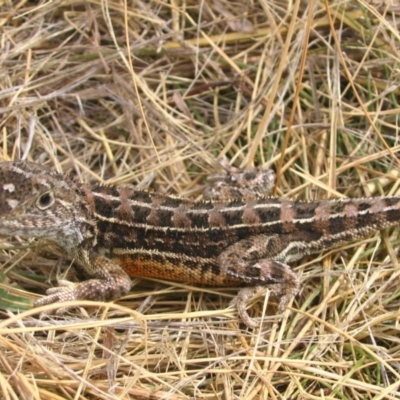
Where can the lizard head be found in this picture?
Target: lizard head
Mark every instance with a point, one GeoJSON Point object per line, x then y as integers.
{"type": "Point", "coordinates": [38, 202]}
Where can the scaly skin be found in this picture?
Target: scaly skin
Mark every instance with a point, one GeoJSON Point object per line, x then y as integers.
{"type": "Point", "coordinates": [245, 241]}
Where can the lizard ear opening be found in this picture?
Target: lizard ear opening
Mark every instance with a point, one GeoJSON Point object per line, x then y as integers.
{"type": "Point", "coordinates": [45, 200]}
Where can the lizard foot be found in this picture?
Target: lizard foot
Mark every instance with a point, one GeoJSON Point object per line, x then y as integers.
{"type": "Point", "coordinates": [247, 293]}
{"type": "Point", "coordinates": [94, 289]}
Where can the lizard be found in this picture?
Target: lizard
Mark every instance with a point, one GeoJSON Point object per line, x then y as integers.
{"type": "Point", "coordinates": [236, 237]}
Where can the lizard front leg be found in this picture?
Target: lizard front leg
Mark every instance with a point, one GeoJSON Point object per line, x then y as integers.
{"type": "Point", "coordinates": [255, 261]}
{"type": "Point", "coordinates": [109, 282]}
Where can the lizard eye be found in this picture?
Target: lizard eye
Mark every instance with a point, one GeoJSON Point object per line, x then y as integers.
{"type": "Point", "coordinates": [45, 200]}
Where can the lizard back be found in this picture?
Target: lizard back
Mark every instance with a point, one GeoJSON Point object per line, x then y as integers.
{"type": "Point", "coordinates": [150, 233]}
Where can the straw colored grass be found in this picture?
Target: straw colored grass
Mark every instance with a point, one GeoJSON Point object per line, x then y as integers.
{"type": "Point", "coordinates": [158, 94]}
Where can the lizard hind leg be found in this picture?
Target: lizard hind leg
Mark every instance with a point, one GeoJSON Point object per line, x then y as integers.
{"type": "Point", "coordinates": [240, 184]}
{"type": "Point", "coordinates": [247, 262]}
{"type": "Point", "coordinates": [283, 283]}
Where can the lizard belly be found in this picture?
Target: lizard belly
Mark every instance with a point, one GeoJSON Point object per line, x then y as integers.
{"type": "Point", "coordinates": [172, 267]}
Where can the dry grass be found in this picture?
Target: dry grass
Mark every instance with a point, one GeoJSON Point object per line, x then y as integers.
{"type": "Point", "coordinates": [308, 88]}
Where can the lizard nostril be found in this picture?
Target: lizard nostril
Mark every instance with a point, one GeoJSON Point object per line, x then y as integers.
{"type": "Point", "coordinates": [45, 200]}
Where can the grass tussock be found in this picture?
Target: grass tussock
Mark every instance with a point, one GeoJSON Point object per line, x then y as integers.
{"type": "Point", "coordinates": [157, 94]}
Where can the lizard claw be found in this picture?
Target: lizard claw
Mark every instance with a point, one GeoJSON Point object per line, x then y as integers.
{"type": "Point", "coordinates": [66, 291]}
{"type": "Point", "coordinates": [240, 302]}
{"type": "Point", "coordinates": [63, 285]}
